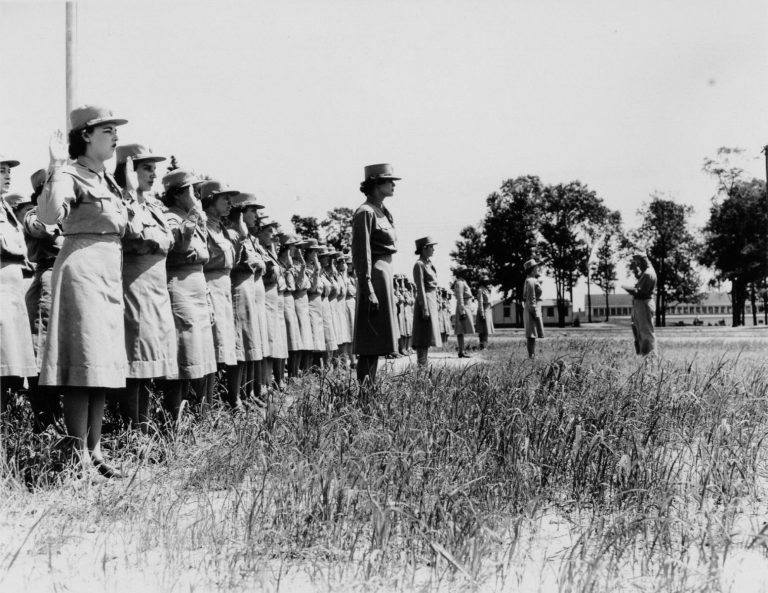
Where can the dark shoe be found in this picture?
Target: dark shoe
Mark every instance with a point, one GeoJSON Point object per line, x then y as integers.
{"type": "Point", "coordinates": [463, 355]}
{"type": "Point", "coordinates": [107, 470]}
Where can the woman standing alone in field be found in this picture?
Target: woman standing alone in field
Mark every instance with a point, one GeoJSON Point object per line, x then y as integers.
{"type": "Point", "coordinates": [534, 328]}
{"type": "Point", "coordinates": [643, 304]}
{"type": "Point", "coordinates": [84, 353]}
{"type": "Point", "coordinates": [426, 314]}
{"type": "Point", "coordinates": [373, 243]}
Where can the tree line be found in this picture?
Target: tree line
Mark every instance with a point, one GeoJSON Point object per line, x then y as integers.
{"type": "Point", "coordinates": [576, 236]}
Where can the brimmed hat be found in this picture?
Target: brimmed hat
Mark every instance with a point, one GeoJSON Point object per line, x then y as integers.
{"type": "Point", "coordinates": [530, 264]}
{"type": "Point", "coordinates": [179, 178]}
{"type": "Point", "coordinates": [266, 221]}
{"type": "Point", "coordinates": [4, 160]}
{"type": "Point", "coordinates": [640, 255]}
{"type": "Point", "coordinates": [311, 245]}
{"type": "Point", "coordinates": [138, 152]}
{"type": "Point", "coordinates": [243, 200]}
{"type": "Point", "coordinates": [38, 179]}
{"type": "Point", "coordinates": [93, 115]}
{"type": "Point", "coordinates": [382, 171]}
{"type": "Point", "coordinates": [213, 188]}
{"type": "Point", "coordinates": [423, 242]}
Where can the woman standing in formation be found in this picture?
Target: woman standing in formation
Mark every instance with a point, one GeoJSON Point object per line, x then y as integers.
{"type": "Point", "coordinates": [84, 352]}
{"type": "Point", "coordinates": [315, 297]}
{"type": "Point", "coordinates": [43, 245]}
{"type": "Point", "coordinates": [292, 328]}
{"type": "Point", "coordinates": [373, 243]}
{"type": "Point", "coordinates": [248, 343]}
{"type": "Point", "coordinates": [278, 347]}
{"type": "Point", "coordinates": [426, 321]}
{"type": "Point", "coordinates": [261, 378]}
{"type": "Point", "coordinates": [484, 322]}
{"type": "Point", "coordinates": [534, 328]}
{"type": "Point", "coordinates": [17, 354]}
{"type": "Point", "coordinates": [301, 302]}
{"type": "Point", "coordinates": [349, 276]}
{"type": "Point", "coordinates": [462, 323]}
{"type": "Point", "coordinates": [327, 296]}
{"type": "Point", "coordinates": [446, 328]}
{"type": "Point", "coordinates": [222, 253]}
{"type": "Point", "coordinates": [150, 335]}
{"type": "Point", "coordinates": [345, 331]}
{"type": "Point", "coordinates": [188, 290]}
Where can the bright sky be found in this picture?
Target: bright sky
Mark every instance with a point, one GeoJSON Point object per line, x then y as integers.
{"type": "Point", "coordinates": [291, 99]}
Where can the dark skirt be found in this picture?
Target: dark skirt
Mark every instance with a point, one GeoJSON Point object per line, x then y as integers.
{"type": "Point", "coordinates": [426, 332]}
{"type": "Point", "coordinates": [377, 333]}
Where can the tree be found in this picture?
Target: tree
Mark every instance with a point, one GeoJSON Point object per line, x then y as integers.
{"type": "Point", "coordinates": [470, 252]}
{"type": "Point", "coordinates": [735, 240]}
{"type": "Point", "coordinates": [569, 214]}
{"type": "Point", "coordinates": [511, 234]}
{"type": "Point", "coordinates": [173, 164]}
{"type": "Point", "coordinates": [665, 236]}
{"type": "Point", "coordinates": [337, 227]}
{"type": "Point", "coordinates": [306, 226]}
{"type": "Point", "coordinates": [604, 269]}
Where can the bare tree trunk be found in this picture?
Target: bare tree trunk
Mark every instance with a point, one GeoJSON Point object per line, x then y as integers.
{"type": "Point", "coordinates": [753, 301]}
{"type": "Point", "coordinates": [606, 305]}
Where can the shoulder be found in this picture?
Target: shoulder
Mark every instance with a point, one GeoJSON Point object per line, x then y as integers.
{"type": "Point", "coordinates": [364, 211]}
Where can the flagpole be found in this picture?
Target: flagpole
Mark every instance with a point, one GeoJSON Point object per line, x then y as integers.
{"type": "Point", "coordinates": [71, 50]}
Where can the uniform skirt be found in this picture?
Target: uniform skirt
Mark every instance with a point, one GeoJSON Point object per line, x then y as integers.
{"type": "Point", "coordinates": [426, 332]}
{"type": "Point", "coordinates": [262, 327]}
{"type": "Point", "coordinates": [150, 335]}
{"type": "Point", "coordinates": [485, 326]}
{"type": "Point", "coordinates": [408, 319]}
{"type": "Point", "coordinates": [463, 326]}
{"type": "Point", "coordinates": [377, 333]}
{"type": "Point", "coordinates": [534, 327]}
{"type": "Point", "coordinates": [328, 325]}
{"type": "Point", "coordinates": [643, 311]}
{"type": "Point", "coordinates": [220, 293]}
{"type": "Point", "coordinates": [292, 329]}
{"type": "Point", "coordinates": [38, 299]}
{"type": "Point", "coordinates": [248, 345]}
{"type": "Point", "coordinates": [17, 354]}
{"type": "Point", "coordinates": [192, 317]}
{"type": "Point", "coordinates": [85, 346]}
{"type": "Point", "coordinates": [316, 320]}
{"type": "Point", "coordinates": [345, 331]}
{"type": "Point", "coordinates": [301, 301]}
{"type": "Point", "coordinates": [278, 341]}
{"type": "Point", "coordinates": [349, 307]}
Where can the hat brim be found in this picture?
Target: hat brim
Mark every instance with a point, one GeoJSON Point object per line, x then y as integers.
{"type": "Point", "coordinates": [101, 121]}
{"type": "Point", "coordinates": [149, 158]}
{"type": "Point", "coordinates": [384, 178]}
{"type": "Point", "coordinates": [10, 162]}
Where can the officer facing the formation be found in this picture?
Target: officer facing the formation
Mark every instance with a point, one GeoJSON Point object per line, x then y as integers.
{"type": "Point", "coordinates": [643, 308]}
{"type": "Point", "coordinates": [373, 243]}
{"type": "Point", "coordinates": [426, 315]}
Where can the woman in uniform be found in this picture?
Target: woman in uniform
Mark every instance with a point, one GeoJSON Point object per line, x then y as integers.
{"type": "Point", "coordinates": [534, 328]}
{"type": "Point", "coordinates": [373, 243]}
{"type": "Point", "coordinates": [301, 303]}
{"type": "Point", "coordinates": [345, 325]}
{"type": "Point", "coordinates": [292, 328]}
{"type": "Point", "coordinates": [410, 300]}
{"type": "Point", "coordinates": [188, 289]}
{"type": "Point", "coordinates": [426, 314]}
{"type": "Point", "coordinates": [278, 347]}
{"type": "Point", "coordinates": [315, 297]}
{"type": "Point", "coordinates": [484, 321]}
{"type": "Point", "coordinates": [400, 301]}
{"type": "Point", "coordinates": [248, 343]}
{"type": "Point", "coordinates": [462, 323]}
{"type": "Point", "coordinates": [224, 249]}
{"type": "Point", "coordinates": [328, 296]}
{"type": "Point", "coordinates": [17, 354]}
{"type": "Point", "coordinates": [349, 275]}
{"type": "Point", "coordinates": [84, 353]}
{"type": "Point", "coordinates": [150, 334]}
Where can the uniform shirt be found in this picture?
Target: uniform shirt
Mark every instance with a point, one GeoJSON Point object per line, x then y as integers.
{"type": "Point", "coordinates": [425, 279]}
{"type": "Point", "coordinates": [301, 277]}
{"type": "Point", "coordinates": [272, 266]}
{"type": "Point", "coordinates": [43, 241]}
{"type": "Point", "coordinates": [84, 199]}
{"type": "Point", "coordinates": [221, 247]}
{"type": "Point", "coordinates": [148, 231]}
{"type": "Point", "coordinates": [646, 284]}
{"type": "Point", "coordinates": [351, 287]}
{"type": "Point", "coordinates": [315, 281]}
{"type": "Point", "coordinates": [373, 234]}
{"type": "Point", "coordinates": [463, 295]}
{"type": "Point", "coordinates": [248, 260]}
{"type": "Point", "coordinates": [531, 293]}
{"type": "Point", "coordinates": [12, 245]}
{"type": "Point", "coordinates": [190, 245]}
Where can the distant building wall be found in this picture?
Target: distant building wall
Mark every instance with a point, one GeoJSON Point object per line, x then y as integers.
{"type": "Point", "coordinates": [504, 313]}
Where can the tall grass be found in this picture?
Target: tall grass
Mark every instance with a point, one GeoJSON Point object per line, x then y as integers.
{"type": "Point", "coordinates": [442, 479]}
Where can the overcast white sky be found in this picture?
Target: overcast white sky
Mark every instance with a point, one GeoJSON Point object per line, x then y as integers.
{"type": "Point", "coordinates": [291, 99]}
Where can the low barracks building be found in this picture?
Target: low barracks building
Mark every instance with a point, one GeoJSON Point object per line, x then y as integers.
{"type": "Point", "coordinates": [504, 313]}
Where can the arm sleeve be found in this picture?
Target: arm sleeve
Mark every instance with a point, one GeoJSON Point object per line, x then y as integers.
{"type": "Point", "coordinates": [529, 296]}
{"type": "Point", "coordinates": [182, 234]}
{"type": "Point", "coordinates": [418, 280]}
{"type": "Point", "coordinates": [362, 225]}
{"type": "Point", "coordinates": [36, 229]}
{"type": "Point", "coordinates": [458, 290]}
{"type": "Point", "coordinates": [58, 192]}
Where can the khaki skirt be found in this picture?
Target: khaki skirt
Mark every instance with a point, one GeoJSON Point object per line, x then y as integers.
{"type": "Point", "coordinates": [485, 325]}
{"type": "Point", "coordinates": [38, 300]}
{"type": "Point", "coordinates": [220, 294]}
{"type": "Point", "coordinates": [85, 346]}
{"type": "Point", "coordinates": [248, 346]}
{"type": "Point", "coordinates": [344, 334]}
{"type": "Point", "coordinates": [463, 326]}
{"type": "Point", "coordinates": [316, 318]}
{"type": "Point", "coordinates": [17, 354]}
{"type": "Point", "coordinates": [426, 332]}
{"type": "Point", "coordinates": [292, 329]}
{"type": "Point", "coordinates": [278, 340]}
{"type": "Point", "coordinates": [262, 327]}
{"type": "Point", "coordinates": [328, 325]}
{"type": "Point", "coordinates": [301, 300]}
{"type": "Point", "coordinates": [377, 333]}
{"type": "Point", "coordinates": [192, 317]}
{"type": "Point", "coordinates": [534, 327]}
{"type": "Point", "coordinates": [349, 306]}
{"type": "Point", "coordinates": [150, 335]}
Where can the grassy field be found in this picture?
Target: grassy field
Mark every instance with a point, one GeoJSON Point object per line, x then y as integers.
{"type": "Point", "coordinates": [584, 470]}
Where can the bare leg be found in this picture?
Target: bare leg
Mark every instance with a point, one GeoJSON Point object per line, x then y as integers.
{"type": "Point", "coordinates": [367, 365]}
{"type": "Point", "coordinates": [531, 345]}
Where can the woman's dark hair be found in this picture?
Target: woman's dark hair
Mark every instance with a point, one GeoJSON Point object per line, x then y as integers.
{"type": "Point", "coordinates": [77, 144]}
{"type": "Point", "coordinates": [169, 197]}
{"type": "Point", "coordinates": [367, 186]}
{"type": "Point", "coordinates": [119, 174]}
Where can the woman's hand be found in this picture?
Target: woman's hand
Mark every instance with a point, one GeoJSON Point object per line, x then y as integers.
{"type": "Point", "coordinates": [57, 149]}
{"type": "Point", "coordinates": [373, 304]}
{"type": "Point", "coordinates": [132, 180]}
{"type": "Point", "coordinates": [240, 225]}
{"type": "Point", "coordinates": [426, 315]}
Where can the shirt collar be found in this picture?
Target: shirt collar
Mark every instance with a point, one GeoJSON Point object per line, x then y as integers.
{"type": "Point", "coordinates": [91, 164]}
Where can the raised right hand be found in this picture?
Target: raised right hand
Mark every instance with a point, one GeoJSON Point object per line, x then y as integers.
{"type": "Point", "coordinates": [57, 149]}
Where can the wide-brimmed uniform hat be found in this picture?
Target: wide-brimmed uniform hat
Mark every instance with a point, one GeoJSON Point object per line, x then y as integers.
{"type": "Point", "coordinates": [423, 242]}
{"type": "Point", "coordinates": [212, 189]}
{"type": "Point", "coordinates": [243, 200]}
{"type": "Point", "coordinates": [381, 171]}
{"type": "Point", "coordinates": [138, 152]}
{"type": "Point", "coordinates": [38, 180]}
{"type": "Point", "coordinates": [530, 264]}
{"type": "Point", "coordinates": [93, 115]}
{"type": "Point", "coordinates": [4, 160]}
{"type": "Point", "coordinates": [288, 240]}
{"type": "Point", "coordinates": [311, 245]}
{"type": "Point", "coordinates": [267, 221]}
{"type": "Point", "coordinates": [179, 178]}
